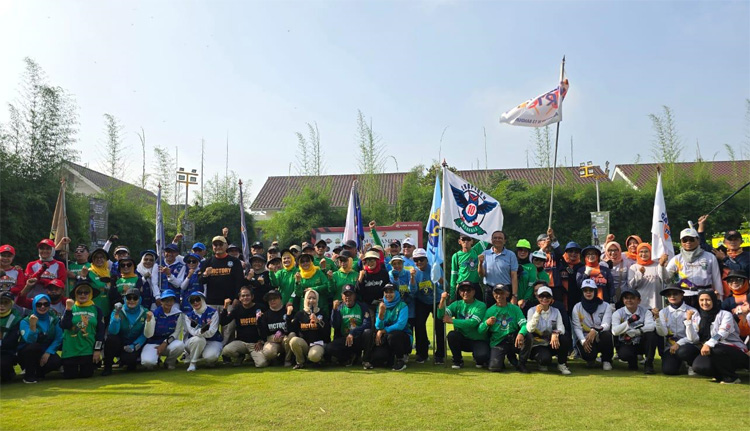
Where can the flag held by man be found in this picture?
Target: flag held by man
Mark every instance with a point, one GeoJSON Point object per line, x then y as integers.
{"type": "Point", "coordinates": [468, 210]}
{"type": "Point", "coordinates": [542, 110]}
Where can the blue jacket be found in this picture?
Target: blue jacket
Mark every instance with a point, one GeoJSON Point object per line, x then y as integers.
{"type": "Point", "coordinates": [425, 286]}
{"type": "Point", "coordinates": [129, 326]}
{"type": "Point", "coordinates": [165, 324]}
{"type": "Point", "coordinates": [402, 280]}
{"type": "Point", "coordinates": [396, 317]}
{"type": "Point", "coordinates": [48, 332]}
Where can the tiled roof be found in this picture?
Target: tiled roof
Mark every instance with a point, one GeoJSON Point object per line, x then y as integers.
{"type": "Point", "coordinates": [103, 181]}
{"type": "Point", "coordinates": [736, 173]}
{"type": "Point", "coordinates": [271, 196]}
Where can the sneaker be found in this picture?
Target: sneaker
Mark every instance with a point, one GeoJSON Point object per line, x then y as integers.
{"type": "Point", "coordinates": [298, 366]}
{"type": "Point", "coordinates": [420, 360]}
{"type": "Point", "coordinates": [30, 380]}
{"type": "Point", "coordinates": [563, 369]}
{"type": "Point", "coordinates": [367, 366]}
{"type": "Point", "coordinates": [479, 366]}
{"type": "Point", "coordinates": [191, 368]}
{"type": "Point", "coordinates": [439, 361]}
{"type": "Point", "coordinates": [406, 358]}
{"type": "Point", "coordinates": [457, 365]}
{"type": "Point", "coordinates": [691, 372]}
{"type": "Point", "coordinates": [606, 366]}
{"type": "Point", "coordinates": [522, 368]}
{"type": "Point", "coordinates": [543, 368]}
{"type": "Point", "coordinates": [107, 371]}
{"type": "Point", "coordinates": [723, 382]}
{"type": "Point", "coordinates": [400, 365]}
{"type": "Point", "coordinates": [648, 369]}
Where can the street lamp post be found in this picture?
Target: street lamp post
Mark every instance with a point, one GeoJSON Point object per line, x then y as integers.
{"type": "Point", "coordinates": [187, 178]}
{"type": "Point", "coordinates": [586, 170]}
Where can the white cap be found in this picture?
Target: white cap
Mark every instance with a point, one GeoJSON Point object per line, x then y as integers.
{"type": "Point", "coordinates": [588, 283]}
{"type": "Point", "coordinates": [689, 232]}
{"type": "Point", "coordinates": [544, 289]}
{"type": "Point", "coordinates": [409, 241]}
{"type": "Point", "coordinates": [420, 252]}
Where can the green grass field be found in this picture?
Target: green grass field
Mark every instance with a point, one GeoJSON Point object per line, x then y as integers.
{"type": "Point", "coordinates": [423, 397]}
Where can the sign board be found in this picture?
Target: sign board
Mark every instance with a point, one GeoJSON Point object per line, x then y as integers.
{"type": "Point", "coordinates": [98, 223]}
{"type": "Point", "coordinates": [599, 228]}
{"type": "Point", "coordinates": [397, 231]}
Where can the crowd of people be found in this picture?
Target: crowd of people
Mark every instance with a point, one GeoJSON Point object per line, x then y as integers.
{"type": "Point", "coordinates": [313, 304]}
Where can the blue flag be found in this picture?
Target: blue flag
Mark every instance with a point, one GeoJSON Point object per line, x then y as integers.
{"type": "Point", "coordinates": [243, 230]}
{"type": "Point", "coordinates": [434, 233]}
{"type": "Point", "coordinates": [353, 229]}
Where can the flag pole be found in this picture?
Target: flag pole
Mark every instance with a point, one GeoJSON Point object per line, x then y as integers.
{"type": "Point", "coordinates": [445, 260]}
{"type": "Point", "coordinates": [557, 137]}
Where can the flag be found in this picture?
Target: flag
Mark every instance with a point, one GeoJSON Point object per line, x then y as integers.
{"type": "Point", "coordinates": [468, 210]}
{"type": "Point", "coordinates": [159, 227]}
{"type": "Point", "coordinates": [661, 234]}
{"type": "Point", "coordinates": [434, 233]}
{"type": "Point", "coordinates": [542, 110]}
{"type": "Point", "coordinates": [353, 229]}
{"type": "Point", "coordinates": [59, 227]}
{"type": "Point", "coordinates": [243, 230]}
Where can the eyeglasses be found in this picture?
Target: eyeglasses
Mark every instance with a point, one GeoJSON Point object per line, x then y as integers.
{"type": "Point", "coordinates": [195, 299]}
{"type": "Point", "coordinates": [42, 304]}
{"type": "Point", "coordinates": [131, 297]}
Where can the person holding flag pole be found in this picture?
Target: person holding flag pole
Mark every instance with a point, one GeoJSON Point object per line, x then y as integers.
{"type": "Point", "coordinates": [539, 112]}
{"type": "Point", "coordinates": [243, 232]}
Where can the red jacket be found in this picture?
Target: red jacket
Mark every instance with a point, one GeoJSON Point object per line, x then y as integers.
{"type": "Point", "coordinates": [13, 279]}
{"type": "Point", "coordinates": [55, 269]}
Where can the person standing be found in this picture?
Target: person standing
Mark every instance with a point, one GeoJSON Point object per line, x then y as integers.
{"type": "Point", "coordinates": [695, 269]}
{"type": "Point", "coordinates": [499, 265]}
{"type": "Point", "coordinates": [425, 302]}
{"type": "Point", "coordinates": [222, 275]}
{"type": "Point", "coordinates": [465, 265]}
{"type": "Point", "coordinates": [45, 268]}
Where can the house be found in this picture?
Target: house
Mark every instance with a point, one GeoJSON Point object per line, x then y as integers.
{"type": "Point", "coordinates": [89, 182]}
{"type": "Point", "coordinates": [736, 173]}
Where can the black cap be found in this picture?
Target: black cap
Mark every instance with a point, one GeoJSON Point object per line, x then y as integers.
{"type": "Point", "coordinates": [671, 287]}
{"type": "Point", "coordinates": [274, 260]}
{"type": "Point", "coordinates": [305, 256]}
{"type": "Point", "coordinates": [233, 247]}
{"type": "Point", "coordinates": [257, 244]}
{"type": "Point", "coordinates": [338, 249]}
{"type": "Point", "coordinates": [85, 282]}
{"type": "Point", "coordinates": [98, 250]}
{"type": "Point", "coordinates": [345, 255]}
{"type": "Point", "coordinates": [735, 274]}
{"type": "Point", "coordinates": [504, 287]}
{"type": "Point", "coordinates": [389, 286]}
{"type": "Point", "coordinates": [7, 295]}
{"type": "Point", "coordinates": [395, 242]}
{"type": "Point", "coordinates": [321, 241]}
{"type": "Point", "coordinates": [132, 291]}
{"type": "Point", "coordinates": [271, 293]}
{"type": "Point", "coordinates": [630, 291]}
{"type": "Point", "coordinates": [465, 285]}
{"type": "Point", "coordinates": [732, 234]}
{"type": "Point", "coordinates": [349, 289]}
{"type": "Point", "coordinates": [258, 257]}
{"type": "Point", "coordinates": [350, 244]}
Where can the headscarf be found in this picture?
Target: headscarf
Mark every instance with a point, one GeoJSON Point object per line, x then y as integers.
{"type": "Point", "coordinates": [308, 294]}
{"type": "Point", "coordinates": [615, 260]}
{"type": "Point", "coordinates": [101, 271]}
{"type": "Point", "coordinates": [202, 308]}
{"type": "Point", "coordinates": [308, 273]}
{"type": "Point", "coordinates": [570, 261]}
{"type": "Point", "coordinates": [351, 267]}
{"type": "Point", "coordinates": [292, 264]}
{"type": "Point", "coordinates": [88, 303]}
{"type": "Point", "coordinates": [132, 313]}
{"type": "Point", "coordinates": [42, 317]}
{"type": "Point", "coordinates": [378, 264]}
{"type": "Point", "coordinates": [630, 255]}
{"type": "Point", "coordinates": [396, 300]}
{"type": "Point", "coordinates": [153, 271]}
{"type": "Point", "coordinates": [637, 253]}
{"type": "Point", "coordinates": [707, 317]}
{"type": "Point", "coordinates": [591, 305]}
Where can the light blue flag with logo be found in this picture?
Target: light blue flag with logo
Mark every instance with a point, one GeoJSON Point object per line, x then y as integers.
{"type": "Point", "coordinates": [434, 233]}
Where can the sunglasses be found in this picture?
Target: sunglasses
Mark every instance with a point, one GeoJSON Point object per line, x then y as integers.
{"type": "Point", "coordinates": [687, 239]}
{"type": "Point", "coordinates": [126, 265]}
{"type": "Point", "coordinates": [42, 304]}
{"type": "Point", "coordinates": [131, 297]}
{"type": "Point", "coordinates": [195, 299]}
{"type": "Point", "coordinates": [191, 262]}
{"type": "Point", "coordinates": [83, 293]}
{"type": "Point", "coordinates": [544, 296]}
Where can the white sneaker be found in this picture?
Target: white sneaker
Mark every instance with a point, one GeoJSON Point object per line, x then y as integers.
{"type": "Point", "coordinates": [406, 358]}
{"type": "Point", "coordinates": [735, 382]}
{"type": "Point", "coordinates": [691, 372]}
{"type": "Point", "coordinates": [563, 369]}
{"type": "Point", "coordinates": [606, 366]}
{"type": "Point", "coordinates": [543, 368]}
{"type": "Point", "coordinates": [641, 359]}
{"type": "Point", "coordinates": [191, 367]}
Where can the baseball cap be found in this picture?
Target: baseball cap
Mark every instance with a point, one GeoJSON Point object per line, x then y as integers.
{"type": "Point", "coordinates": [199, 246]}
{"type": "Point", "coordinates": [350, 244]}
{"type": "Point", "coordinates": [588, 284]}
{"type": "Point", "coordinates": [630, 292]}
{"type": "Point", "coordinates": [544, 289]}
{"type": "Point", "coordinates": [538, 254]}
{"type": "Point", "coordinates": [389, 286]}
{"type": "Point", "coordinates": [398, 258]}
{"type": "Point", "coordinates": [197, 293]}
{"type": "Point", "coordinates": [133, 291]}
{"type": "Point", "coordinates": [465, 285]}
{"type": "Point", "coordinates": [395, 242]}
{"type": "Point", "coordinates": [408, 241]}
{"type": "Point", "coordinates": [572, 245]}
{"type": "Point", "coordinates": [56, 283]}
{"type": "Point", "coordinates": [321, 241]}
{"type": "Point", "coordinates": [48, 242]}
{"type": "Point", "coordinates": [120, 248]}
{"type": "Point", "coordinates": [168, 293]}
{"type": "Point", "coordinates": [671, 287]}
{"type": "Point", "coordinates": [504, 287]}
{"type": "Point", "coordinates": [372, 255]}
{"type": "Point", "coordinates": [257, 244]}
{"type": "Point", "coordinates": [307, 246]}
{"type": "Point", "coordinates": [349, 289]}
{"type": "Point", "coordinates": [171, 247]}
{"type": "Point", "coordinates": [420, 252]}
{"type": "Point", "coordinates": [192, 256]}
{"type": "Point", "coordinates": [271, 293]}
{"type": "Point", "coordinates": [523, 243]}
{"type": "Point", "coordinates": [274, 260]}
{"type": "Point", "coordinates": [338, 249]}
{"type": "Point", "coordinates": [305, 257]}
{"type": "Point", "coordinates": [732, 234]}
{"type": "Point", "coordinates": [7, 295]}
{"type": "Point", "coordinates": [296, 248]}
{"type": "Point", "coordinates": [258, 257]}
{"type": "Point", "coordinates": [233, 247]}
{"type": "Point", "coordinates": [542, 237]}
{"type": "Point", "coordinates": [219, 238]}
{"type": "Point", "coordinates": [7, 248]}
{"type": "Point", "coordinates": [689, 232]}
{"type": "Point", "coordinates": [345, 255]}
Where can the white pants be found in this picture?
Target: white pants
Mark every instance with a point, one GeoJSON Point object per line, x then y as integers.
{"type": "Point", "coordinates": [149, 357]}
{"type": "Point", "coordinates": [198, 348]}
{"type": "Point", "coordinates": [238, 349]}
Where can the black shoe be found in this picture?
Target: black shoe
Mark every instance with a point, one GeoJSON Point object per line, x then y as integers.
{"type": "Point", "coordinates": [421, 359]}
{"type": "Point", "coordinates": [399, 365]}
{"type": "Point", "coordinates": [367, 366]}
{"type": "Point", "coordinates": [439, 361]}
{"type": "Point", "coordinates": [633, 367]}
{"type": "Point", "coordinates": [107, 371]}
{"type": "Point", "coordinates": [648, 369]}
{"type": "Point", "coordinates": [298, 366]}
{"type": "Point", "coordinates": [522, 368]}
{"type": "Point", "coordinates": [457, 365]}
{"type": "Point", "coordinates": [29, 379]}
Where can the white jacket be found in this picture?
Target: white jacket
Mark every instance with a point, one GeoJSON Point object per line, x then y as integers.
{"type": "Point", "coordinates": [703, 272]}
{"type": "Point", "coordinates": [671, 324]}
{"type": "Point", "coordinates": [622, 328]}
{"type": "Point", "coordinates": [648, 284]}
{"type": "Point", "coordinates": [723, 330]}
{"type": "Point", "coordinates": [542, 324]}
{"type": "Point", "coordinates": [583, 322]}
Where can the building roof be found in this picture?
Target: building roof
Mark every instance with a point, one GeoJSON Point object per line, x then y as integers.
{"type": "Point", "coordinates": [100, 182]}
{"type": "Point", "coordinates": [639, 175]}
{"type": "Point", "coordinates": [275, 189]}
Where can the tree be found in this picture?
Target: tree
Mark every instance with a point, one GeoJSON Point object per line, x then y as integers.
{"type": "Point", "coordinates": [225, 190]}
{"type": "Point", "coordinates": [310, 208]}
{"type": "Point", "coordinates": [165, 173]}
{"type": "Point", "coordinates": [143, 180]}
{"type": "Point", "coordinates": [542, 147]}
{"type": "Point", "coordinates": [371, 160]}
{"type": "Point", "coordinates": [114, 150]}
{"type": "Point", "coordinates": [666, 146]}
{"type": "Point", "coordinates": [212, 218]}
{"type": "Point", "coordinates": [309, 155]}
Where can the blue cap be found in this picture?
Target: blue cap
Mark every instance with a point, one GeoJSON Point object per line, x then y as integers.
{"type": "Point", "coordinates": [199, 246]}
{"type": "Point", "coordinates": [172, 247]}
{"type": "Point", "coordinates": [197, 293]}
{"type": "Point", "coordinates": [194, 256]}
{"type": "Point", "coordinates": [573, 245]}
{"type": "Point", "coordinates": [168, 293]}
{"type": "Point", "coordinates": [151, 252]}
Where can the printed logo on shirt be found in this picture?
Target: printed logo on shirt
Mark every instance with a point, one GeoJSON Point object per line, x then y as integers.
{"type": "Point", "coordinates": [425, 286]}
{"type": "Point", "coordinates": [249, 321]}
{"type": "Point", "coordinates": [230, 264]}
{"type": "Point", "coordinates": [221, 271]}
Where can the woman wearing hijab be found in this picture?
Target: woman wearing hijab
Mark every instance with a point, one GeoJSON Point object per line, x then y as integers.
{"type": "Point", "coordinates": [674, 346]}
{"type": "Point", "coordinates": [99, 278]}
{"type": "Point", "coordinates": [592, 324]}
{"type": "Point", "coordinates": [371, 280]}
{"type": "Point", "coordinates": [46, 268]}
{"type": "Point", "coordinates": [594, 271]}
{"type": "Point", "coordinates": [393, 338]}
{"type": "Point", "coordinates": [736, 302]}
{"type": "Point", "coordinates": [310, 276]}
{"type": "Point", "coordinates": [646, 276]}
{"type": "Point", "coordinates": [128, 279]}
{"type": "Point", "coordinates": [695, 268]}
{"type": "Point", "coordinates": [722, 351]}
{"type": "Point", "coordinates": [163, 330]}
{"type": "Point", "coordinates": [204, 338]}
{"type": "Point", "coordinates": [191, 283]}
{"type": "Point", "coordinates": [83, 332]}
{"type": "Point", "coordinates": [284, 279]}
{"type": "Point", "coordinates": [567, 269]}
{"type": "Point", "coordinates": [546, 334]}
{"type": "Point", "coordinates": [312, 329]}
{"type": "Point", "coordinates": [631, 244]}
{"type": "Point", "coordinates": [125, 337]}
{"type": "Point", "coordinates": [617, 265]}
{"type": "Point", "coordinates": [149, 275]}
{"type": "Point", "coordinates": [41, 337]}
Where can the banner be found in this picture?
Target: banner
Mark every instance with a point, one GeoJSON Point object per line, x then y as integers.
{"type": "Point", "coordinates": [59, 227]}
{"type": "Point", "coordinates": [542, 110]}
{"type": "Point", "coordinates": [353, 229]}
{"type": "Point", "coordinates": [661, 234]}
{"type": "Point", "coordinates": [468, 210]}
{"type": "Point", "coordinates": [98, 223]}
{"type": "Point", "coordinates": [599, 228]}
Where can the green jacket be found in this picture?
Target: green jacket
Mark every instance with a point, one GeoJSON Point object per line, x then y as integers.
{"type": "Point", "coordinates": [339, 280]}
{"type": "Point", "coordinates": [330, 264]}
{"type": "Point", "coordinates": [465, 266]}
{"type": "Point", "coordinates": [527, 279]}
{"type": "Point", "coordinates": [510, 319]}
{"type": "Point", "coordinates": [466, 318]}
{"type": "Point", "coordinates": [283, 280]}
{"type": "Point", "coordinates": [83, 331]}
{"type": "Point", "coordinates": [74, 268]}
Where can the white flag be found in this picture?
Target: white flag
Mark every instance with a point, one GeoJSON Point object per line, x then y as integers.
{"type": "Point", "coordinates": [468, 210]}
{"type": "Point", "coordinates": [542, 110]}
{"type": "Point", "coordinates": [661, 234]}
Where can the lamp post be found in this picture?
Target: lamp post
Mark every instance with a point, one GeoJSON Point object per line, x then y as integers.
{"type": "Point", "coordinates": [586, 170]}
{"type": "Point", "coordinates": [187, 178]}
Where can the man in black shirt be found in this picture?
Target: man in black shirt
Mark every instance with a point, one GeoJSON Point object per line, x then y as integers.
{"type": "Point", "coordinates": [245, 314]}
{"type": "Point", "coordinates": [274, 328]}
{"type": "Point", "coordinates": [222, 275]}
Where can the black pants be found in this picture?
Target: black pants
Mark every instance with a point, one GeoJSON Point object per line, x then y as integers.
{"type": "Point", "coordinates": [459, 343]}
{"type": "Point", "coordinates": [113, 348]}
{"type": "Point", "coordinates": [395, 345]}
{"type": "Point", "coordinates": [544, 354]}
{"type": "Point", "coordinates": [507, 348]}
{"type": "Point", "coordinates": [722, 363]}
{"type": "Point", "coordinates": [7, 360]}
{"type": "Point", "coordinates": [604, 345]}
{"type": "Point", "coordinates": [629, 352]}
{"type": "Point", "coordinates": [78, 367]}
{"type": "Point", "coordinates": [421, 312]}
{"type": "Point", "coordinates": [30, 355]}
{"type": "Point", "coordinates": [338, 350]}
{"type": "Point", "coordinates": [671, 363]}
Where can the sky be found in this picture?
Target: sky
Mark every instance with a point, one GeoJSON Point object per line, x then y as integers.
{"type": "Point", "coordinates": [257, 72]}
